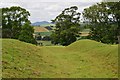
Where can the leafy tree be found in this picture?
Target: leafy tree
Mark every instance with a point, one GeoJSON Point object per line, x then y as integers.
{"type": "Point", "coordinates": [46, 38]}
{"type": "Point", "coordinates": [103, 21]}
{"type": "Point", "coordinates": [38, 37]}
{"type": "Point", "coordinates": [115, 9]}
{"type": "Point", "coordinates": [26, 34]}
{"type": "Point", "coordinates": [12, 20]}
{"type": "Point", "coordinates": [0, 17]}
{"type": "Point", "coordinates": [67, 26]}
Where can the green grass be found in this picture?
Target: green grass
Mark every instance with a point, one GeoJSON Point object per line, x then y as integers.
{"type": "Point", "coordinates": [82, 59]}
{"type": "Point", "coordinates": [86, 30]}
{"type": "Point", "coordinates": [46, 43]}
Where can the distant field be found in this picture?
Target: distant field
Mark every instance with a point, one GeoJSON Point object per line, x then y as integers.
{"type": "Point", "coordinates": [85, 32]}
{"type": "Point", "coordinates": [40, 29]}
{"type": "Point", "coordinates": [43, 31]}
{"type": "Point", "coordinates": [81, 59]}
{"type": "Point", "coordinates": [45, 43]}
{"type": "Point", "coordinates": [44, 25]}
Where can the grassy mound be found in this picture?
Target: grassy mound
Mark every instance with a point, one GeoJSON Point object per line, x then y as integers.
{"type": "Point", "coordinates": [85, 44]}
{"type": "Point", "coordinates": [82, 59]}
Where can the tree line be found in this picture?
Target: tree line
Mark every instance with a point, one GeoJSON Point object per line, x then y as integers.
{"type": "Point", "coordinates": [103, 19]}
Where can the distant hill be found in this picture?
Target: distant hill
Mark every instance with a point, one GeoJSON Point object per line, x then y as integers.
{"type": "Point", "coordinates": [42, 23]}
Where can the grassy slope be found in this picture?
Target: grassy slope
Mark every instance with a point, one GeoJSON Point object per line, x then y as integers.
{"type": "Point", "coordinates": [81, 59]}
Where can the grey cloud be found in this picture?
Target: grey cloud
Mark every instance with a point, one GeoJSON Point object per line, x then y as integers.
{"type": "Point", "coordinates": [45, 10]}
{"type": "Point", "coordinates": [51, 0]}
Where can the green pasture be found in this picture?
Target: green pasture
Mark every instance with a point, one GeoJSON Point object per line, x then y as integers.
{"type": "Point", "coordinates": [81, 59]}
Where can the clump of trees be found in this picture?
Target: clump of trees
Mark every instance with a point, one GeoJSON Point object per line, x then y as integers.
{"type": "Point", "coordinates": [67, 26]}
{"type": "Point", "coordinates": [102, 18]}
{"type": "Point", "coordinates": [26, 34]}
{"type": "Point", "coordinates": [15, 24]}
{"type": "Point", "coordinates": [46, 38]}
{"type": "Point", "coordinates": [104, 21]}
{"type": "Point", "coordinates": [38, 36]}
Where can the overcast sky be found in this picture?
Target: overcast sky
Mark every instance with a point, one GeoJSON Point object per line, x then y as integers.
{"type": "Point", "coordinates": [45, 10]}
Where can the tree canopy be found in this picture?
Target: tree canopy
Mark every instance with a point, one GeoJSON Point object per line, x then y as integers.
{"type": "Point", "coordinates": [104, 19]}
{"type": "Point", "coordinates": [26, 34]}
{"type": "Point", "coordinates": [67, 26]}
{"type": "Point", "coordinates": [12, 20]}
{"type": "Point", "coordinates": [15, 24]}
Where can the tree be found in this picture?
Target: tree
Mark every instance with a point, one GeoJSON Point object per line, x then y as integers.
{"type": "Point", "coordinates": [12, 20]}
{"type": "Point", "coordinates": [115, 9]}
{"type": "Point", "coordinates": [26, 34]}
{"type": "Point", "coordinates": [46, 38]}
{"type": "Point", "coordinates": [103, 21]}
{"type": "Point", "coordinates": [38, 36]}
{"type": "Point", "coordinates": [67, 26]}
{"type": "Point", "coordinates": [0, 17]}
